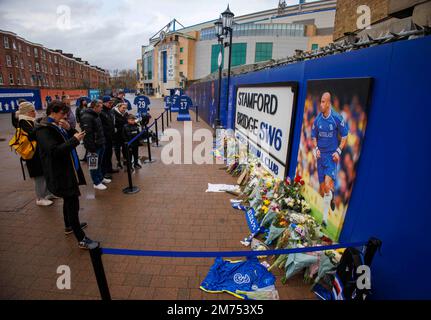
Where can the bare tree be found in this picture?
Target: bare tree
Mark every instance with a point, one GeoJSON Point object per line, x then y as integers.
{"type": "Point", "coordinates": [124, 79]}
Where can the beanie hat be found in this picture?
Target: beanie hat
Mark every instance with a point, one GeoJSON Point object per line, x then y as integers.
{"type": "Point", "coordinates": [25, 107]}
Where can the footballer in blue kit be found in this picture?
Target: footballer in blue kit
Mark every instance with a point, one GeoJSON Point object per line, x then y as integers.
{"type": "Point", "coordinates": [329, 134]}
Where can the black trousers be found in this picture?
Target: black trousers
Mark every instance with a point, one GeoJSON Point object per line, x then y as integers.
{"type": "Point", "coordinates": [119, 148]}
{"type": "Point", "coordinates": [71, 216]}
{"type": "Point", "coordinates": [107, 158]}
{"type": "Point", "coordinates": [134, 152]}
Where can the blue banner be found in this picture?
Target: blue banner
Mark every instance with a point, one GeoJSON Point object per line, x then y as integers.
{"type": "Point", "coordinates": [94, 94]}
{"type": "Point", "coordinates": [168, 102]}
{"type": "Point", "coordinates": [252, 222]}
{"type": "Point", "coordinates": [9, 98]}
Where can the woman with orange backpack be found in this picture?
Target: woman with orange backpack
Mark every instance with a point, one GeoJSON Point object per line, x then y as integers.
{"type": "Point", "coordinates": [26, 120]}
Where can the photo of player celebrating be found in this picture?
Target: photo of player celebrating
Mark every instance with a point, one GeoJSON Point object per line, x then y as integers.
{"type": "Point", "coordinates": [326, 129]}
{"type": "Point", "coordinates": [333, 129]}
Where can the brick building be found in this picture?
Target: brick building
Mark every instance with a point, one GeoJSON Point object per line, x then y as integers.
{"type": "Point", "coordinates": [31, 65]}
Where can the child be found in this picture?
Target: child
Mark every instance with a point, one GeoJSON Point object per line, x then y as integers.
{"type": "Point", "coordinates": [130, 131]}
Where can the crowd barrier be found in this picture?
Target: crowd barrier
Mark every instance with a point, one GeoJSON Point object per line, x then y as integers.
{"type": "Point", "coordinates": [102, 282]}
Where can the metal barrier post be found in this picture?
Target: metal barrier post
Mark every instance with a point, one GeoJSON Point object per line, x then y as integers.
{"type": "Point", "coordinates": [157, 132]}
{"type": "Point", "coordinates": [163, 122]}
{"type": "Point", "coordinates": [131, 189]}
{"type": "Point", "coordinates": [150, 160]}
{"type": "Point", "coordinates": [197, 114]}
{"type": "Point", "coordinates": [167, 117]}
{"type": "Point", "coordinates": [170, 115]}
{"type": "Point", "coordinates": [99, 271]}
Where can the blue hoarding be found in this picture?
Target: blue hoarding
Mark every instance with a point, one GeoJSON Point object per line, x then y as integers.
{"type": "Point", "coordinates": [9, 98]}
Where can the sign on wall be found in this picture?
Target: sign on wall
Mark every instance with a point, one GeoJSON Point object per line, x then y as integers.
{"type": "Point", "coordinates": [9, 98]}
{"type": "Point", "coordinates": [264, 120]}
{"type": "Point", "coordinates": [171, 64]}
{"type": "Point", "coordinates": [94, 94]}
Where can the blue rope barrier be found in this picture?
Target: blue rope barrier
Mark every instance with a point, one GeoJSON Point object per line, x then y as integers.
{"type": "Point", "coordinates": [209, 254]}
{"type": "Point", "coordinates": [141, 133]}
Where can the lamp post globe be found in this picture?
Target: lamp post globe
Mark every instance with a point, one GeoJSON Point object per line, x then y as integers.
{"type": "Point", "coordinates": [227, 18]}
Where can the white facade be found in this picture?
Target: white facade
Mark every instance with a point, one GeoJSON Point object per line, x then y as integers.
{"type": "Point", "coordinates": [282, 47]}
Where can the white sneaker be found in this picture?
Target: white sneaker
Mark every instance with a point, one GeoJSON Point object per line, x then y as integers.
{"type": "Point", "coordinates": [44, 202]}
{"type": "Point", "coordinates": [105, 181]}
{"type": "Point", "coordinates": [100, 186]}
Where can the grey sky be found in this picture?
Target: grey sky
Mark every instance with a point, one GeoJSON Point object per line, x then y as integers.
{"type": "Point", "coordinates": [110, 33]}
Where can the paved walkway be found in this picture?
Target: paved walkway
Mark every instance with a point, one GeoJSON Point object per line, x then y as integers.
{"type": "Point", "coordinates": [171, 212]}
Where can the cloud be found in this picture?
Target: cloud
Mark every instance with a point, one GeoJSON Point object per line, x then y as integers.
{"type": "Point", "coordinates": [109, 34]}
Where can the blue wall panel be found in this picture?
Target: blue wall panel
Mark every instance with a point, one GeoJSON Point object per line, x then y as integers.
{"type": "Point", "coordinates": [391, 194]}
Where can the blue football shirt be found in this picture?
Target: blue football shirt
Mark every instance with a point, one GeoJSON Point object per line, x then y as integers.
{"type": "Point", "coordinates": [143, 103]}
{"type": "Point", "coordinates": [326, 131]}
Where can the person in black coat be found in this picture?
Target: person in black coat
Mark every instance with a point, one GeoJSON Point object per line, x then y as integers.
{"type": "Point", "coordinates": [80, 109]}
{"type": "Point", "coordinates": [26, 122]}
{"type": "Point", "coordinates": [57, 142]}
{"type": "Point", "coordinates": [130, 131]}
{"type": "Point", "coordinates": [120, 119]}
{"type": "Point", "coordinates": [94, 141]}
{"type": "Point", "coordinates": [107, 118]}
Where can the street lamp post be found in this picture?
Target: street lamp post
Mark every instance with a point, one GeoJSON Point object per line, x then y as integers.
{"type": "Point", "coordinates": [227, 21]}
{"type": "Point", "coordinates": [220, 35]}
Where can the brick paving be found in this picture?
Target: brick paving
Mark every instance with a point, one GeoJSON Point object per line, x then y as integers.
{"type": "Point", "coordinates": [171, 212]}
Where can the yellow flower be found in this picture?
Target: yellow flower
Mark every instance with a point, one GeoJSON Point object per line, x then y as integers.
{"type": "Point", "coordinates": [264, 209]}
{"type": "Point", "coordinates": [268, 184]}
{"type": "Point", "coordinates": [266, 202]}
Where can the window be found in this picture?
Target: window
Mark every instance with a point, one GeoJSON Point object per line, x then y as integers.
{"type": "Point", "coordinates": [55, 59]}
{"type": "Point", "coordinates": [36, 54]}
{"type": "Point", "coordinates": [37, 67]}
{"type": "Point", "coordinates": [263, 51]}
{"type": "Point", "coordinates": [30, 67]}
{"type": "Point", "coordinates": [181, 49]}
{"type": "Point", "coordinates": [13, 44]}
{"type": "Point", "coordinates": [24, 81]}
{"type": "Point", "coordinates": [16, 62]}
{"type": "Point", "coordinates": [181, 61]}
{"type": "Point", "coordinates": [22, 64]}
{"type": "Point", "coordinates": [11, 78]}
{"type": "Point", "coordinates": [19, 47]}
{"type": "Point", "coordinates": [28, 51]}
{"type": "Point", "coordinates": [215, 49]}
{"type": "Point", "coordinates": [1, 79]}
{"type": "Point", "coordinates": [314, 46]}
{"type": "Point", "coordinates": [8, 61]}
{"type": "Point", "coordinates": [49, 58]}
{"type": "Point", "coordinates": [18, 80]}
{"type": "Point", "coordinates": [239, 53]}
{"type": "Point", "coordinates": [6, 42]}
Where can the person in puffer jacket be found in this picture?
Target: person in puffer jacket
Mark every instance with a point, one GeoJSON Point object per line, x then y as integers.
{"type": "Point", "coordinates": [94, 141]}
{"type": "Point", "coordinates": [120, 119]}
{"type": "Point", "coordinates": [130, 131]}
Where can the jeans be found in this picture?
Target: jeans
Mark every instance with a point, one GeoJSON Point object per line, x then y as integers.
{"type": "Point", "coordinates": [96, 174]}
{"type": "Point", "coordinates": [40, 187]}
{"type": "Point", "coordinates": [71, 216]}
